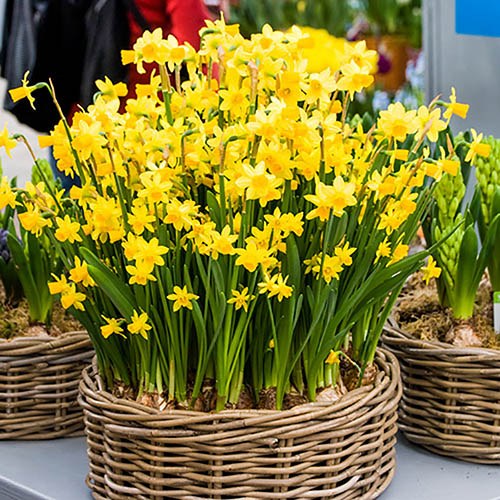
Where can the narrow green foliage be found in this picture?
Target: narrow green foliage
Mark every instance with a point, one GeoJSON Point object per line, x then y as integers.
{"type": "Point", "coordinates": [461, 258]}
{"type": "Point", "coordinates": [488, 179]}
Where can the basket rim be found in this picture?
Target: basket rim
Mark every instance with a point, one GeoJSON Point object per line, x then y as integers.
{"type": "Point", "coordinates": [388, 377]}
{"type": "Point", "coordinates": [393, 331]}
{"type": "Point", "coordinates": [42, 338]}
{"type": "Point", "coordinates": [31, 348]}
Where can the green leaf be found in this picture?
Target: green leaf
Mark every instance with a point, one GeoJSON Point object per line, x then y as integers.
{"type": "Point", "coordinates": [490, 252]}
{"type": "Point", "coordinates": [474, 207]}
{"type": "Point", "coordinates": [495, 203]}
{"type": "Point", "coordinates": [293, 266]}
{"type": "Point", "coordinates": [41, 172]}
{"type": "Point", "coordinates": [464, 292]}
{"type": "Point", "coordinates": [214, 209]}
{"type": "Point", "coordinates": [26, 277]}
{"type": "Point", "coordinates": [115, 288]}
{"type": "Point", "coordinates": [367, 122]}
{"type": "Point", "coordinates": [41, 269]}
{"type": "Point", "coordinates": [218, 277]}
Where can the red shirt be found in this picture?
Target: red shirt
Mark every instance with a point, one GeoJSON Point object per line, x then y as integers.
{"type": "Point", "coordinates": [181, 18]}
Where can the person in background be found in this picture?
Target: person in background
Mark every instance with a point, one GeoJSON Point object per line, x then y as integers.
{"type": "Point", "coordinates": [181, 18]}
{"type": "Point", "coordinates": [217, 6]}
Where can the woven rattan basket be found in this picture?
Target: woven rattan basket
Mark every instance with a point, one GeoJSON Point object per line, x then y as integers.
{"type": "Point", "coordinates": [451, 396]}
{"type": "Point", "coordinates": [39, 379]}
{"type": "Point", "coordinates": [318, 450]}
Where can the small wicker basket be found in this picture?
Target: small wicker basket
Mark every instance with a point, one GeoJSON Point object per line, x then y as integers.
{"type": "Point", "coordinates": [451, 396]}
{"type": "Point", "coordinates": [39, 379]}
{"type": "Point", "coordinates": [343, 450]}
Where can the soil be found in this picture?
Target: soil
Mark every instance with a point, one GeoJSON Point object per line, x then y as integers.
{"type": "Point", "coordinates": [14, 322]}
{"type": "Point", "coordinates": [267, 399]}
{"type": "Point", "coordinates": [351, 377]}
{"type": "Point", "coordinates": [419, 313]}
{"type": "Point", "coordinates": [207, 399]}
{"type": "Point", "coordinates": [245, 400]}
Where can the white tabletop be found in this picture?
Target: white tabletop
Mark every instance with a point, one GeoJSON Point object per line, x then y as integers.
{"type": "Point", "coordinates": [56, 470]}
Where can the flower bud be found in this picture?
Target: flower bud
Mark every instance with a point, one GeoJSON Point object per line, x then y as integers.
{"type": "Point", "coordinates": [452, 210]}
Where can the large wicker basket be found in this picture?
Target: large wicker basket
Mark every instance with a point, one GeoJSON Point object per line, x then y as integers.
{"type": "Point", "coordinates": [320, 450]}
{"type": "Point", "coordinates": [451, 396]}
{"type": "Point", "coordinates": [39, 379]}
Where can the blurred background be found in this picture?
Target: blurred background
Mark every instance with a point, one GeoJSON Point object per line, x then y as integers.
{"type": "Point", "coordinates": [392, 27]}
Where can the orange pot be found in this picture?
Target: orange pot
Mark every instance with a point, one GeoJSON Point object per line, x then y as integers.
{"type": "Point", "coordinates": [397, 50]}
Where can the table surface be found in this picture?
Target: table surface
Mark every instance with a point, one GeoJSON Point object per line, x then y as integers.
{"type": "Point", "coordinates": [55, 470]}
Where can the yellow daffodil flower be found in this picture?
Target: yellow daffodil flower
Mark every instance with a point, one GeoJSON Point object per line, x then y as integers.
{"type": "Point", "coordinates": [141, 273]}
{"type": "Point", "coordinates": [455, 108]}
{"type": "Point", "coordinates": [182, 298]}
{"type": "Point", "coordinates": [251, 256]}
{"type": "Point", "coordinates": [7, 196]}
{"type": "Point", "coordinates": [476, 147]}
{"type": "Point", "coordinates": [112, 327]}
{"type": "Point", "coordinates": [332, 267]}
{"type": "Point", "coordinates": [60, 285]}
{"type": "Point", "coordinates": [395, 122]}
{"type": "Point", "coordinates": [139, 324]}
{"type": "Point", "coordinates": [240, 299]}
{"type": "Point", "coordinates": [344, 254]}
{"type": "Point", "coordinates": [383, 250]}
{"type": "Point", "coordinates": [24, 91]}
{"type": "Point", "coordinates": [430, 270]}
{"type": "Point", "coordinates": [71, 298]}
{"type": "Point", "coordinates": [332, 358]}
{"type": "Point", "coordinates": [399, 252]}
{"type": "Point", "coordinates": [6, 142]}
{"type": "Point", "coordinates": [80, 273]}
{"type": "Point", "coordinates": [67, 230]}
{"type": "Point", "coordinates": [111, 90]}
{"type": "Point", "coordinates": [33, 221]}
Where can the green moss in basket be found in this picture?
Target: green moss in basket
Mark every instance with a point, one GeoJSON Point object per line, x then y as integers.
{"type": "Point", "coordinates": [15, 321]}
{"type": "Point", "coordinates": [420, 313]}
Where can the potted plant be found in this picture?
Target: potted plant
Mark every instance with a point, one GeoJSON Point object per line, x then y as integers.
{"type": "Point", "coordinates": [444, 337]}
{"type": "Point", "coordinates": [240, 246]}
{"type": "Point", "coordinates": [395, 30]}
{"type": "Point", "coordinates": [41, 356]}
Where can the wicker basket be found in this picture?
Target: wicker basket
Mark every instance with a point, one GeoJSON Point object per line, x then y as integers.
{"type": "Point", "coordinates": [39, 379]}
{"type": "Point", "coordinates": [451, 396]}
{"type": "Point", "coordinates": [318, 450]}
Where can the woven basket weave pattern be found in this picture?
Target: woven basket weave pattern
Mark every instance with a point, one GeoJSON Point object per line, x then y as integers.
{"type": "Point", "coordinates": [451, 397]}
{"type": "Point", "coordinates": [39, 379]}
{"type": "Point", "coordinates": [321, 450]}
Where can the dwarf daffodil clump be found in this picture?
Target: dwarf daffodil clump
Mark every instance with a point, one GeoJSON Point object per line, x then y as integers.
{"type": "Point", "coordinates": [27, 257]}
{"type": "Point", "coordinates": [235, 226]}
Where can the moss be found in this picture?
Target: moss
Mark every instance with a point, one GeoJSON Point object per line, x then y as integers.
{"type": "Point", "coordinates": [15, 322]}
{"type": "Point", "coordinates": [419, 313]}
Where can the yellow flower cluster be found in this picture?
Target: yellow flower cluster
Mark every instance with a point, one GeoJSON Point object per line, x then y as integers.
{"type": "Point", "coordinates": [259, 120]}
{"type": "Point", "coordinates": [238, 225]}
{"type": "Point", "coordinates": [324, 51]}
{"type": "Point", "coordinates": [268, 125]}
